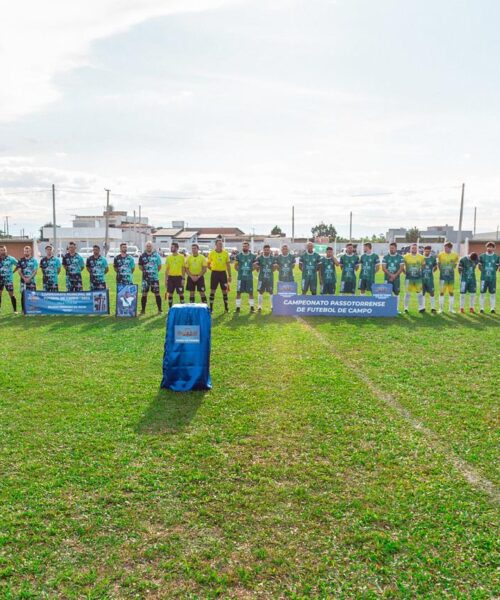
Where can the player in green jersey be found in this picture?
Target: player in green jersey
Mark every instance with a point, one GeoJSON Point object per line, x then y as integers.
{"type": "Point", "coordinates": [392, 266]}
{"type": "Point", "coordinates": [27, 267]}
{"type": "Point", "coordinates": [244, 265]}
{"type": "Point", "coordinates": [428, 269]}
{"type": "Point", "coordinates": [309, 265]}
{"type": "Point", "coordinates": [327, 272]}
{"type": "Point", "coordinates": [349, 263]}
{"type": "Point", "coordinates": [370, 263]}
{"type": "Point", "coordinates": [489, 264]}
{"type": "Point", "coordinates": [265, 266]}
{"type": "Point", "coordinates": [467, 269]}
{"type": "Point", "coordinates": [7, 264]}
{"type": "Point", "coordinates": [285, 263]}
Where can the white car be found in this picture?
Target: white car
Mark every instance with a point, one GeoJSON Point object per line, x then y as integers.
{"type": "Point", "coordinates": [86, 252]}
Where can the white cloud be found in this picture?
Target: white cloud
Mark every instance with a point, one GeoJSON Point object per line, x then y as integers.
{"type": "Point", "coordinates": [39, 42]}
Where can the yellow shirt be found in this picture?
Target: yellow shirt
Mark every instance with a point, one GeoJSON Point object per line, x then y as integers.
{"type": "Point", "coordinates": [174, 264]}
{"type": "Point", "coordinates": [195, 264]}
{"type": "Point", "coordinates": [413, 265]}
{"type": "Point", "coordinates": [447, 262]}
{"type": "Point", "coordinates": [218, 260]}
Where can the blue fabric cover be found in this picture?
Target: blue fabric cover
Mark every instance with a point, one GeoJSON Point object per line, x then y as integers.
{"type": "Point", "coordinates": [186, 361]}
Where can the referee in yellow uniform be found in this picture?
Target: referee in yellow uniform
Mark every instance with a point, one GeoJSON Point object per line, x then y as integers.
{"type": "Point", "coordinates": [220, 265]}
{"type": "Point", "coordinates": [174, 274]}
{"type": "Point", "coordinates": [196, 267]}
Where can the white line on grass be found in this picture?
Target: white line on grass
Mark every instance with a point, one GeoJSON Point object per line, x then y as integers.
{"type": "Point", "coordinates": [435, 442]}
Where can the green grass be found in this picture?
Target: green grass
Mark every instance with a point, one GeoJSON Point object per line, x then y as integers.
{"type": "Point", "coordinates": [291, 478]}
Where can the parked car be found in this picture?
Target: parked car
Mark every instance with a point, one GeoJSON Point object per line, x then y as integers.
{"type": "Point", "coordinates": [85, 252]}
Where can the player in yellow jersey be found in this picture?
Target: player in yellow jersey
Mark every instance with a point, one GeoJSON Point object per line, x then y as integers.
{"type": "Point", "coordinates": [447, 263]}
{"type": "Point", "coordinates": [174, 274]}
{"type": "Point", "coordinates": [196, 267]}
{"type": "Point", "coordinates": [413, 264]}
{"type": "Point", "coordinates": [220, 265]}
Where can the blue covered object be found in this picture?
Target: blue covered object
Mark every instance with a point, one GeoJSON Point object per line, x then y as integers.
{"type": "Point", "coordinates": [186, 361]}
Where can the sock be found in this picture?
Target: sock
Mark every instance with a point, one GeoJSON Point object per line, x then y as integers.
{"type": "Point", "coordinates": [203, 298]}
{"type": "Point", "coordinates": [170, 302]}
{"type": "Point", "coordinates": [144, 301]}
{"type": "Point", "coordinates": [482, 298]}
{"type": "Point", "coordinates": [433, 302]}
{"type": "Point", "coordinates": [191, 298]}
{"type": "Point", "coordinates": [251, 303]}
{"type": "Point", "coordinates": [271, 298]}
{"type": "Point", "coordinates": [211, 301]}
{"type": "Point", "coordinates": [421, 301]}
{"type": "Point", "coordinates": [226, 305]}
{"type": "Point", "coordinates": [441, 302]}
{"type": "Point", "coordinates": [0, 299]}
{"type": "Point", "coordinates": [260, 300]}
{"type": "Point", "coordinates": [238, 302]}
{"type": "Point", "coordinates": [451, 300]}
{"type": "Point", "coordinates": [181, 298]}
{"type": "Point", "coordinates": [407, 301]}
{"type": "Point", "coordinates": [158, 301]}
{"type": "Point", "coordinates": [22, 303]}
{"type": "Point", "coordinates": [14, 303]}
{"type": "Point", "coordinates": [493, 301]}
{"type": "Point", "coordinates": [472, 300]}
{"type": "Point", "coordinates": [462, 301]}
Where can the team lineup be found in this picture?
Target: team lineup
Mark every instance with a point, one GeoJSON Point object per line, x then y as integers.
{"type": "Point", "coordinates": [317, 273]}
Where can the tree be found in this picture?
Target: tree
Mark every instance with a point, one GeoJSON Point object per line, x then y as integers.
{"type": "Point", "coordinates": [324, 230]}
{"type": "Point", "coordinates": [378, 238]}
{"type": "Point", "coordinates": [412, 235]}
{"type": "Point", "coordinates": [42, 239]}
{"type": "Point", "coordinates": [276, 230]}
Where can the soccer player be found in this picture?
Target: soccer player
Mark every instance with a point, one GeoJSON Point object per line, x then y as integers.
{"type": "Point", "coordinates": [196, 267]}
{"type": "Point", "coordinates": [309, 265]}
{"type": "Point", "coordinates": [124, 266]}
{"type": "Point", "coordinates": [447, 261]}
{"type": "Point", "coordinates": [430, 266]}
{"type": "Point", "coordinates": [285, 263]}
{"type": "Point", "coordinates": [97, 266]}
{"type": "Point", "coordinates": [27, 267]}
{"type": "Point", "coordinates": [174, 274]}
{"type": "Point", "coordinates": [265, 266]}
{"type": "Point", "coordinates": [414, 263]}
{"type": "Point", "coordinates": [244, 265]}
{"type": "Point", "coordinates": [393, 266]}
{"type": "Point", "coordinates": [327, 272]}
{"type": "Point", "coordinates": [74, 265]}
{"type": "Point", "coordinates": [349, 263]}
{"type": "Point", "coordinates": [370, 263]}
{"type": "Point", "coordinates": [150, 265]}
{"type": "Point", "coordinates": [489, 263]}
{"type": "Point", "coordinates": [51, 267]}
{"type": "Point", "coordinates": [467, 269]}
{"type": "Point", "coordinates": [220, 265]}
{"type": "Point", "coordinates": [7, 264]}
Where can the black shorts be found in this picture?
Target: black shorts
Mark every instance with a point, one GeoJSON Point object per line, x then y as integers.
{"type": "Point", "coordinates": [50, 287]}
{"type": "Point", "coordinates": [8, 286]}
{"type": "Point", "coordinates": [28, 287]}
{"type": "Point", "coordinates": [218, 278]}
{"type": "Point", "coordinates": [196, 286]}
{"type": "Point", "coordinates": [151, 284]}
{"type": "Point", "coordinates": [175, 283]}
{"type": "Point", "coordinates": [365, 285]}
{"type": "Point", "coordinates": [74, 284]}
{"type": "Point", "coordinates": [265, 285]}
{"type": "Point", "coordinates": [96, 286]}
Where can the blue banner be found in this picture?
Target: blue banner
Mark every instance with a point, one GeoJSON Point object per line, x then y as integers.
{"type": "Point", "coordinates": [335, 306]}
{"type": "Point", "coordinates": [287, 288]}
{"type": "Point", "coordinates": [126, 300]}
{"type": "Point", "coordinates": [67, 303]}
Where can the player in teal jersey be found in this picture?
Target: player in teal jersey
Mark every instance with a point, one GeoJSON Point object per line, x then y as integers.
{"type": "Point", "coordinates": [124, 266]}
{"type": "Point", "coordinates": [150, 265]}
{"type": "Point", "coordinates": [327, 272]}
{"type": "Point", "coordinates": [51, 267]}
{"type": "Point", "coordinates": [27, 267]}
{"type": "Point", "coordinates": [393, 266]}
{"type": "Point", "coordinates": [97, 266]}
{"type": "Point", "coordinates": [244, 265]}
{"type": "Point", "coordinates": [74, 265]}
{"type": "Point", "coordinates": [349, 263]}
{"type": "Point", "coordinates": [285, 262]}
{"type": "Point", "coordinates": [369, 266]}
{"type": "Point", "coordinates": [489, 264]}
{"type": "Point", "coordinates": [428, 269]}
{"type": "Point", "coordinates": [265, 266]}
{"type": "Point", "coordinates": [467, 269]}
{"type": "Point", "coordinates": [7, 266]}
{"type": "Point", "coordinates": [309, 265]}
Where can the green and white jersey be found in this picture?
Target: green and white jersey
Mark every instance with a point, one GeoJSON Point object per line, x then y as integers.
{"type": "Point", "coordinates": [467, 269]}
{"type": "Point", "coordinates": [368, 264]}
{"type": "Point", "coordinates": [349, 262]}
{"type": "Point", "coordinates": [392, 263]}
{"type": "Point", "coordinates": [245, 265]}
{"type": "Point", "coordinates": [428, 268]}
{"type": "Point", "coordinates": [327, 266]}
{"type": "Point", "coordinates": [285, 264]}
{"type": "Point", "coordinates": [266, 264]}
{"type": "Point", "coordinates": [310, 263]}
{"type": "Point", "coordinates": [489, 266]}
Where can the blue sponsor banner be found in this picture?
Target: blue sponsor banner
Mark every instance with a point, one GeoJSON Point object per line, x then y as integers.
{"type": "Point", "coordinates": [382, 290]}
{"type": "Point", "coordinates": [335, 306]}
{"type": "Point", "coordinates": [67, 303]}
{"type": "Point", "coordinates": [126, 300]}
{"type": "Point", "coordinates": [287, 288]}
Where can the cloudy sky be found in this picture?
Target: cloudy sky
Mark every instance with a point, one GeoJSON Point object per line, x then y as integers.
{"type": "Point", "coordinates": [228, 112]}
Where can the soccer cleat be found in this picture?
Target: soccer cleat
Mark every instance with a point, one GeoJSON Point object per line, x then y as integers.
{"type": "Point", "coordinates": [259, 309]}
{"type": "Point", "coordinates": [472, 311]}
{"type": "Point", "coordinates": [462, 310]}
{"type": "Point", "coordinates": [406, 311]}
{"type": "Point", "coordinates": [482, 311]}
{"type": "Point", "coordinates": [492, 311]}
{"type": "Point", "coordinates": [433, 311]}
{"type": "Point", "coordinates": [421, 310]}
{"type": "Point", "coordinates": [252, 309]}
{"type": "Point", "coordinates": [143, 312]}
{"type": "Point", "coordinates": [238, 310]}
{"type": "Point", "coordinates": [452, 311]}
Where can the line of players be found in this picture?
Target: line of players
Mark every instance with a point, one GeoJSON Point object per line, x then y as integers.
{"type": "Point", "coordinates": [418, 270]}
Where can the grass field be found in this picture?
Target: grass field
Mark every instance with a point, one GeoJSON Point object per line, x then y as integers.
{"type": "Point", "coordinates": [334, 458]}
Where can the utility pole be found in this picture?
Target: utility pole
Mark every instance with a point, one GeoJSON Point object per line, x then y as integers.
{"type": "Point", "coordinates": [459, 234]}
{"type": "Point", "coordinates": [135, 230]}
{"type": "Point", "coordinates": [475, 219]}
{"type": "Point", "coordinates": [106, 223]}
{"type": "Point", "coordinates": [141, 236]}
{"type": "Point", "coordinates": [350, 226]}
{"type": "Point", "coordinates": [7, 226]}
{"type": "Point", "coordinates": [54, 230]}
{"type": "Point", "coordinates": [293, 224]}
